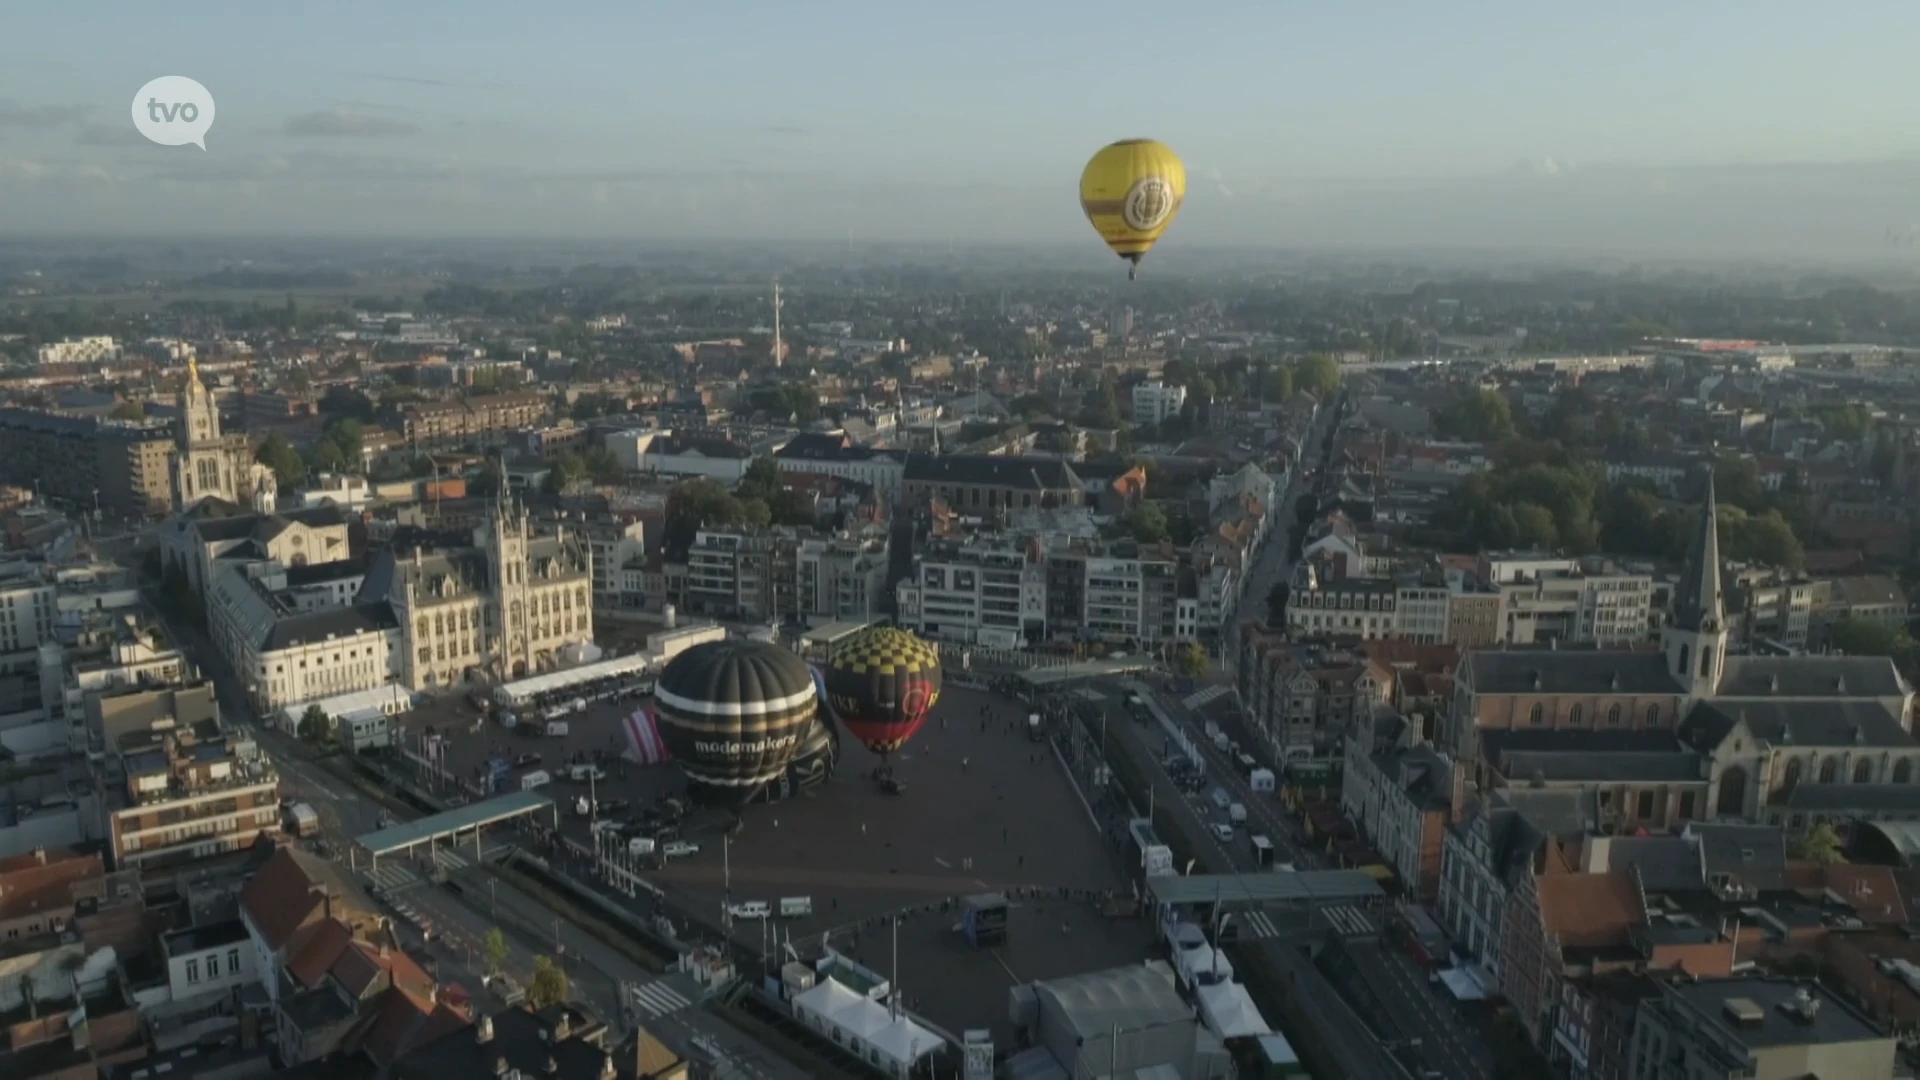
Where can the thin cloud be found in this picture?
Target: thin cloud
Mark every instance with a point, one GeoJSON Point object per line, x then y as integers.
{"type": "Point", "coordinates": [343, 123]}
{"type": "Point", "coordinates": [783, 129]}
{"type": "Point", "coordinates": [39, 117]}
{"type": "Point", "coordinates": [415, 80]}
{"type": "Point", "coordinates": [108, 135]}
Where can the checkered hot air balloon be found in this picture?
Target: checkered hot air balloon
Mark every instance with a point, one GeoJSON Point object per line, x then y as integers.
{"type": "Point", "coordinates": [882, 684]}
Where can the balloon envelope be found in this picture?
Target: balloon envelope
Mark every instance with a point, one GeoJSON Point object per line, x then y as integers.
{"type": "Point", "coordinates": [733, 714]}
{"type": "Point", "coordinates": [882, 685]}
{"type": "Point", "coordinates": [1131, 191]}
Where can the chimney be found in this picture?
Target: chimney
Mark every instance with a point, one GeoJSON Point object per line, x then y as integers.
{"type": "Point", "coordinates": [483, 1031]}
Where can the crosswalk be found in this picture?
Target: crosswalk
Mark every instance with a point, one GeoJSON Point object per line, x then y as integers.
{"type": "Point", "coordinates": [1345, 920]}
{"type": "Point", "coordinates": [1206, 695]}
{"type": "Point", "coordinates": [1257, 925]}
{"type": "Point", "coordinates": [656, 999]}
{"type": "Point", "coordinates": [1349, 921]}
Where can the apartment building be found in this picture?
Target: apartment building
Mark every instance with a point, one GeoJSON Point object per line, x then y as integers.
{"type": "Point", "coordinates": [121, 466]}
{"type": "Point", "coordinates": [1155, 401]}
{"type": "Point", "coordinates": [183, 792]}
{"type": "Point", "coordinates": [97, 349]}
{"type": "Point", "coordinates": [984, 590]}
{"type": "Point", "coordinates": [485, 419]}
{"type": "Point", "coordinates": [1402, 796]}
{"type": "Point", "coordinates": [841, 577]}
{"type": "Point", "coordinates": [29, 607]}
{"type": "Point", "coordinates": [1585, 601]}
{"type": "Point", "coordinates": [285, 655]}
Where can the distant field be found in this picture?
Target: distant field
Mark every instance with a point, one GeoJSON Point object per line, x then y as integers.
{"type": "Point", "coordinates": [408, 289]}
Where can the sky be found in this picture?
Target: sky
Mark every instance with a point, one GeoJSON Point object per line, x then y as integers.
{"type": "Point", "coordinates": [1711, 125]}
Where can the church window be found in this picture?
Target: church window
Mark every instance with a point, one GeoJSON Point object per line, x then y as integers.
{"type": "Point", "coordinates": [1903, 771]}
{"type": "Point", "coordinates": [1863, 772]}
{"type": "Point", "coordinates": [1830, 770]}
{"type": "Point", "coordinates": [1575, 715]}
{"type": "Point", "coordinates": [1537, 715]}
{"type": "Point", "coordinates": [426, 653]}
{"type": "Point", "coordinates": [421, 626]}
{"type": "Point", "coordinates": [1685, 655]}
{"type": "Point", "coordinates": [1792, 779]}
{"type": "Point", "coordinates": [1613, 716]}
{"type": "Point", "coordinates": [1653, 716]}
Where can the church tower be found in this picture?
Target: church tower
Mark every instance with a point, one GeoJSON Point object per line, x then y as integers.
{"type": "Point", "coordinates": [1695, 642]}
{"type": "Point", "coordinates": [508, 533]}
{"type": "Point", "coordinates": [205, 464]}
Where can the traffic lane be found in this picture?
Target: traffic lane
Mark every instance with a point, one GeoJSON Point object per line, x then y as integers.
{"type": "Point", "coordinates": [1207, 847]}
{"type": "Point", "coordinates": [1435, 1006]}
{"type": "Point", "coordinates": [463, 925]}
{"type": "Point", "coordinates": [1412, 1011]}
{"type": "Point", "coordinates": [1259, 807]}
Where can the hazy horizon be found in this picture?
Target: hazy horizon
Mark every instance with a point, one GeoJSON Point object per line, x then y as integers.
{"type": "Point", "coordinates": [1716, 131]}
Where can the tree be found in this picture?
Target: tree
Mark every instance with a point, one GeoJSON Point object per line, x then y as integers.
{"type": "Point", "coordinates": [790, 507]}
{"type": "Point", "coordinates": [548, 986]}
{"type": "Point", "coordinates": [1190, 660]}
{"type": "Point", "coordinates": [1868, 637]}
{"type": "Point", "coordinates": [1276, 386]}
{"type": "Point", "coordinates": [566, 469]}
{"type": "Point", "coordinates": [1819, 844]}
{"type": "Point", "coordinates": [1482, 416]}
{"type": "Point", "coordinates": [129, 410]}
{"type": "Point", "coordinates": [280, 456]}
{"type": "Point", "coordinates": [493, 951]}
{"type": "Point", "coordinates": [1318, 374]}
{"type": "Point", "coordinates": [603, 466]}
{"type": "Point", "coordinates": [315, 725]}
{"type": "Point", "coordinates": [1146, 523]}
{"type": "Point", "coordinates": [760, 481]}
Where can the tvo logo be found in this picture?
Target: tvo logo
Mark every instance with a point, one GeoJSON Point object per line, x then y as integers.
{"type": "Point", "coordinates": [174, 110]}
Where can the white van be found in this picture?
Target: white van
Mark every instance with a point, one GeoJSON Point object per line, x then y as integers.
{"type": "Point", "coordinates": [1237, 813]}
{"type": "Point", "coordinates": [534, 779]}
{"type": "Point", "coordinates": [640, 847]}
{"type": "Point", "coordinates": [796, 907]}
{"type": "Point", "coordinates": [752, 909]}
{"type": "Point", "coordinates": [582, 773]}
{"type": "Point", "coordinates": [556, 728]}
{"type": "Point", "coordinates": [679, 849]}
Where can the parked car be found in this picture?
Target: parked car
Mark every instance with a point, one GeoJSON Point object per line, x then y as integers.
{"type": "Point", "coordinates": [679, 849]}
{"type": "Point", "coordinates": [525, 761]}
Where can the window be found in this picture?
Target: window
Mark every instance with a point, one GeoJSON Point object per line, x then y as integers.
{"type": "Point", "coordinates": [193, 971]}
{"type": "Point", "coordinates": [1903, 771]}
{"type": "Point", "coordinates": [1537, 715]}
{"type": "Point", "coordinates": [1613, 716]}
{"type": "Point", "coordinates": [1863, 772]}
{"type": "Point", "coordinates": [1644, 810]}
{"type": "Point", "coordinates": [1653, 716]}
{"type": "Point", "coordinates": [1575, 715]}
{"type": "Point", "coordinates": [1830, 770]}
{"type": "Point", "coordinates": [213, 966]}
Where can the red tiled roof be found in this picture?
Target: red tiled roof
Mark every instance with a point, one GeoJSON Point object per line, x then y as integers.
{"type": "Point", "coordinates": [37, 882]}
{"type": "Point", "coordinates": [319, 952]}
{"type": "Point", "coordinates": [291, 889]}
{"type": "Point", "coordinates": [1590, 910]}
{"type": "Point", "coordinates": [404, 1021]}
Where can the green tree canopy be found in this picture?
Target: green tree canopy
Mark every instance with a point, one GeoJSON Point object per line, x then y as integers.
{"type": "Point", "coordinates": [548, 986]}
{"type": "Point", "coordinates": [1190, 660]}
{"type": "Point", "coordinates": [493, 951]}
{"type": "Point", "coordinates": [1482, 416]}
{"type": "Point", "coordinates": [1819, 844]}
{"type": "Point", "coordinates": [1869, 637]}
{"type": "Point", "coordinates": [1318, 374]}
{"type": "Point", "coordinates": [280, 456]}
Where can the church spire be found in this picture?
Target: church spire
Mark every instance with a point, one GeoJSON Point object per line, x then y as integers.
{"type": "Point", "coordinates": [1698, 606]}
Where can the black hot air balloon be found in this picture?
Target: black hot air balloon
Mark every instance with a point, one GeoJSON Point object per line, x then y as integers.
{"type": "Point", "coordinates": [882, 684]}
{"type": "Point", "coordinates": [733, 714]}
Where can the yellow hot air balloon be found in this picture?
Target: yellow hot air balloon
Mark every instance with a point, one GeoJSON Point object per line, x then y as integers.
{"type": "Point", "coordinates": [1131, 191]}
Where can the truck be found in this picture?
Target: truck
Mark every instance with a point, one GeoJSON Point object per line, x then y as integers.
{"type": "Point", "coordinates": [580, 774]}
{"type": "Point", "coordinates": [1262, 850]}
{"type": "Point", "coordinates": [1033, 727]}
{"type": "Point", "coordinates": [302, 820]}
{"type": "Point", "coordinates": [535, 779]}
{"type": "Point", "coordinates": [1218, 737]}
{"type": "Point", "coordinates": [1237, 813]}
{"type": "Point", "coordinates": [796, 907]}
{"type": "Point", "coordinates": [556, 728]}
{"type": "Point", "coordinates": [1261, 781]}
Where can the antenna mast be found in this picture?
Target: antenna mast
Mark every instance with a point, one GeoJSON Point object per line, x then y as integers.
{"type": "Point", "coordinates": [778, 352]}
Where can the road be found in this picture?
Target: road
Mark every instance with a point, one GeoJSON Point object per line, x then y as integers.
{"type": "Point", "coordinates": [1420, 1012]}
{"type": "Point", "coordinates": [1275, 562]}
{"type": "Point", "coordinates": [1264, 814]}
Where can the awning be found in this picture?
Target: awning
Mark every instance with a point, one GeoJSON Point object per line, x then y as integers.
{"type": "Point", "coordinates": [1463, 984]}
{"type": "Point", "coordinates": [1377, 872]}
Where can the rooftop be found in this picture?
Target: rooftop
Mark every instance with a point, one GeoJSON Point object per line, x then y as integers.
{"type": "Point", "coordinates": [438, 826]}
{"type": "Point", "coordinates": [1767, 1013]}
